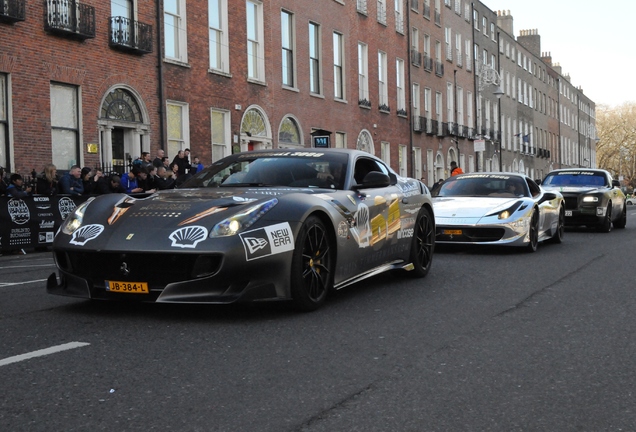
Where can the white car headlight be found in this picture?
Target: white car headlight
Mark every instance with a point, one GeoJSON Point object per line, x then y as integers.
{"type": "Point", "coordinates": [75, 219]}
{"type": "Point", "coordinates": [590, 199]}
{"type": "Point", "coordinates": [242, 220]}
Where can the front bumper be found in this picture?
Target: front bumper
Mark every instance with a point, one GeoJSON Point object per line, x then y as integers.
{"type": "Point", "coordinates": [510, 234]}
{"type": "Point", "coordinates": [171, 277]}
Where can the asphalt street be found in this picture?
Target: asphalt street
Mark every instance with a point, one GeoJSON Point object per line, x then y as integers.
{"type": "Point", "coordinates": [493, 339]}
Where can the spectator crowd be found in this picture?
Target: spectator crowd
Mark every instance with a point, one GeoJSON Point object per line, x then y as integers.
{"type": "Point", "coordinates": [144, 176]}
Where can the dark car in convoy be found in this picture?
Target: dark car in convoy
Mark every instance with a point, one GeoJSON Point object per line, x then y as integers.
{"type": "Point", "coordinates": [262, 225]}
{"type": "Point", "coordinates": [592, 197]}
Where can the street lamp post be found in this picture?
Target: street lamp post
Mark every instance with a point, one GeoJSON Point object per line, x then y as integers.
{"type": "Point", "coordinates": [488, 76]}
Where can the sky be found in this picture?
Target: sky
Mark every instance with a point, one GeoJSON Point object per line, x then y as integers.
{"type": "Point", "coordinates": [594, 42]}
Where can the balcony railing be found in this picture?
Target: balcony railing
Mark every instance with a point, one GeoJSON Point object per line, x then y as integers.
{"type": "Point", "coordinates": [69, 17]}
{"type": "Point", "coordinates": [362, 6]}
{"type": "Point", "coordinates": [12, 11]}
{"type": "Point", "coordinates": [381, 13]}
{"type": "Point", "coordinates": [365, 103]}
{"type": "Point", "coordinates": [426, 12]}
{"type": "Point", "coordinates": [130, 35]}
{"type": "Point", "coordinates": [402, 112]}
{"type": "Point", "coordinates": [418, 124]}
{"type": "Point", "coordinates": [384, 108]}
{"type": "Point", "coordinates": [434, 127]}
{"type": "Point", "coordinates": [416, 57]}
{"type": "Point", "coordinates": [439, 68]}
{"type": "Point", "coordinates": [428, 63]}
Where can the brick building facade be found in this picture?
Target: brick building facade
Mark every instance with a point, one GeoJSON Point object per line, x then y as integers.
{"type": "Point", "coordinates": [96, 83]}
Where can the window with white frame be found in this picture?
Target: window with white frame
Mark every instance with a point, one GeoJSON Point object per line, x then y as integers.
{"type": "Point", "coordinates": [65, 125]}
{"type": "Point", "coordinates": [255, 41]}
{"type": "Point", "coordinates": [438, 108]}
{"type": "Point", "coordinates": [458, 48]}
{"type": "Point", "coordinates": [382, 12]}
{"type": "Point", "coordinates": [401, 92]}
{"type": "Point", "coordinates": [487, 113]}
{"type": "Point", "coordinates": [218, 34]}
{"type": "Point", "coordinates": [289, 134]}
{"type": "Point", "coordinates": [427, 45]}
{"type": "Point", "coordinates": [427, 103]}
{"type": "Point", "coordinates": [399, 16]}
{"type": "Point", "coordinates": [338, 66]}
{"type": "Point", "coordinates": [382, 80]}
{"type": "Point", "coordinates": [288, 60]}
{"type": "Point", "coordinates": [448, 35]}
{"type": "Point", "coordinates": [458, 7]}
{"type": "Point", "coordinates": [363, 72]}
{"type": "Point", "coordinates": [385, 152]}
{"type": "Point", "coordinates": [175, 34]}
{"type": "Point", "coordinates": [460, 106]}
{"type": "Point", "coordinates": [341, 140]}
{"type": "Point", "coordinates": [484, 25]}
{"type": "Point", "coordinates": [177, 114]}
{"type": "Point", "coordinates": [4, 121]}
{"type": "Point", "coordinates": [415, 100]}
{"type": "Point", "coordinates": [220, 131]}
{"type": "Point", "coordinates": [469, 109]}
{"type": "Point", "coordinates": [476, 20]}
{"type": "Point", "coordinates": [314, 59]}
{"type": "Point", "coordinates": [415, 39]}
{"type": "Point", "coordinates": [403, 160]}
{"type": "Point", "coordinates": [450, 103]}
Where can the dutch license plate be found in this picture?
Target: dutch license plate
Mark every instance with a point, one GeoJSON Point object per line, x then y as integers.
{"type": "Point", "coordinates": [452, 232]}
{"type": "Point", "coordinates": [128, 287]}
{"type": "Point", "coordinates": [568, 213]}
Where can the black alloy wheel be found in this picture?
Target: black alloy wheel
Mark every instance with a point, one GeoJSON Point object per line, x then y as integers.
{"type": "Point", "coordinates": [560, 231]}
{"type": "Point", "coordinates": [423, 244]}
{"type": "Point", "coordinates": [606, 225]}
{"type": "Point", "coordinates": [312, 265]}
{"type": "Point", "coordinates": [533, 232]}
{"type": "Point", "coordinates": [622, 220]}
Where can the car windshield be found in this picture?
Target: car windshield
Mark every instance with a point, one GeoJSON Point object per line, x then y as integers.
{"type": "Point", "coordinates": [575, 178]}
{"type": "Point", "coordinates": [484, 185]}
{"type": "Point", "coordinates": [285, 168]}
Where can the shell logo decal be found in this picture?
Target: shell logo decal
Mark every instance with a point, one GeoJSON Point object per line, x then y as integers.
{"type": "Point", "coordinates": [86, 233]}
{"type": "Point", "coordinates": [188, 237]}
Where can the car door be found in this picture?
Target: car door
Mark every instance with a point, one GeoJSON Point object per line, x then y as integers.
{"type": "Point", "coordinates": [377, 219]}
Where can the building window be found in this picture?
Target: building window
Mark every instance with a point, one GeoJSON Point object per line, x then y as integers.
{"type": "Point", "coordinates": [287, 47]}
{"type": "Point", "coordinates": [469, 109]}
{"type": "Point", "coordinates": [401, 93]}
{"type": "Point", "coordinates": [460, 106]}
{"type": "Point", "coordinates": [493, 34]}
{"type": "Point", "coordinates": [220, 125]}
{"type": "Point", "coordinates": [65, 123]}
{"type": "Point", "coordinates": [341, 140]}
{"type": "Point", "coordinates": [416, 102]}
{"type": "Point", "coordinates": [427, 103]}
{"type": "Point", "coordinates": [382, 81]}
{"type": "Point", "coordinates": [255, 48]}
{"type": "Point", "coordinates": [177, 119]}
{"type": "Point", "coordinates": [338, 66]}
{"type": "Point", "coordinates": [219, 44]}
{"type": "Point", "coordinates": [448, 34]}
{"type": "Point", "coordinates": [402, 162]}
{"type": "Point", "coordinates": [363, 74]}
{"type": "Point", "coordinates": [382, 12]}
{"type": "Point", "coordinates": [399, 17]}
{"type": "Point", "coordinates": [289, 133]}
{"type": "Point", "coordinates": [476, 20]}
{"type": "Point", "coordinates": [174, 22]}
{"type": "Point", "coordinates": [314, 58]}
{"type": "Point", "coordinates": [385, 152]}
{"type": "Point", "coordinates": [4, 122]}
{"type": "Point", "coordinates": [450, 103]}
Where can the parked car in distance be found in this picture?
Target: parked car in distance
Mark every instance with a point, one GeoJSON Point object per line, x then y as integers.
{"type": "Point", "coordinates": [592, 197]}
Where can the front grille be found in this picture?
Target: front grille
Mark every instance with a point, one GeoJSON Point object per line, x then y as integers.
{"type": "Point", "coordinates": [158, 269]}
{"type": "Point", "coordinates": [476, 235]}
{"type": "Point", "coordinates": [571, 202]}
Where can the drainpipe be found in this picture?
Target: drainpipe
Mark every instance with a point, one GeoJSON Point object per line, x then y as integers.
{"type": "Point", "coordinates": [409, 98]}
{"type": "Point", "coordinates": [559, 156]}
{"type": "Point", "coordinates": [162, 102]}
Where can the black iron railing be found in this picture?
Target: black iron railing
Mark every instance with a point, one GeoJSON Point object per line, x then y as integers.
{"type": "Point", "coordinates": [12, 11]}
{"type": "Point", "coordinates": [130, 35]}
{"type": "Point", "coordinates": [69, 17]}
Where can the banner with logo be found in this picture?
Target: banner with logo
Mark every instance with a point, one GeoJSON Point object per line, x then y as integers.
{"type": "Point", "coordinates": [32, 222]}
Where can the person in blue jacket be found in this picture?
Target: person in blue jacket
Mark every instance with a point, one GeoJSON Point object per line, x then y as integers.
{"type": "Point", "coordinates": [16, 189]}
{"type": "Point", "coordinates": [129, 181]}
{"type": "Point", "coordinates": [71, 182]}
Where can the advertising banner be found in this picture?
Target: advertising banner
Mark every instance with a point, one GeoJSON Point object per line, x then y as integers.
{"type": "Point", "coordinates": [32, 221]}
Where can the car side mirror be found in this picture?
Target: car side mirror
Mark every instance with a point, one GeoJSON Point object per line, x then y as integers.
{"type": "Point", "coordinates": [616, 183]}
{"type": "Point", "coordinates": [374, 179]}
{"type": "Point", "coordinates": [547, 196]}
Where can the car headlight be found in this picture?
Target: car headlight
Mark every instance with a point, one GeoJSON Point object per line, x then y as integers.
{"type": "Point", "coordinates": [242, 220]}
{"type": "Point", "coordinates": [590, 199]}
{"type": "Point", "coordinates": [505, 214]}
{"type": "Point", "coordinates": [75, 219]}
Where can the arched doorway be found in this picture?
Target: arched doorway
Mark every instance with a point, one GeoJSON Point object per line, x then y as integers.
{"type": "Point", "coordinates": [289, 133]}
{"type": "Point", "coordinates": [256, 133]}
{"type": "Point", "coordinates": [124, 129]}
{"type": "Point", "coordinates": [439, 167]}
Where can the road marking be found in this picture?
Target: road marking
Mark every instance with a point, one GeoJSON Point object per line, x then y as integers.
{"type": "Point", "coordinates": [29, 266]}
{"type": "Point", "coordinates": [7, 284]}
{"type": "Point", "coordinates": [42, 352]}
